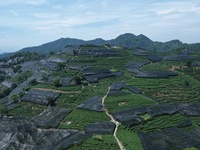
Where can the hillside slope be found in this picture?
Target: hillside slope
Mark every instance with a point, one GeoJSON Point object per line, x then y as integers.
{"type": "Point", "coordinates": [98, 97]}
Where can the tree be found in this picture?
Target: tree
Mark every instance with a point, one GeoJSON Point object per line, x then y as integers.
{"type": "Point", "coordinates": [75, 52]}
{"type": "Point", "coordinates": [154, 51]}
{"type": "Point", "coordinates": [16, 68]}
{"type": "Point", "coordinates": [60, 66]}
{"type": "Point", "coordinates": [187, 82]}
{"type": "Point", "coordinates": [3, 109]}
{"type": "Point", "coordinates": [78, 79]}
{"type": "Point", "coordinates": [51, 53]}
{"type": "Point", "coordinates": [26, 88]}
{"type": "Point", "coordinates": [13, 85]}
{"type": "Point", "coordinates": [57, 83]}
{"type": "Point", "coordinates": [7, 91]}
{"type": "Point", "coordinates": [44, 77]}
{"type": "Point", "coordinates": [2, 78]}
{"type": "Point", "coordinates": [107, 45]}
{"type": "Point", "coordinates": [51, 101]}
{"type": "Point", "coordinates": [33, 82]}
{"type": "Point", "coordinates": [21, 94]}
{"type": "Point", "coordinates": [15, 98]}
{"type": "Point", "coordinates": [189, 63]}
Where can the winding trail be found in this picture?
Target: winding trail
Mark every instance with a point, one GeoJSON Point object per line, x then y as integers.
{"type": "Point", "coordinates": [112, 120]}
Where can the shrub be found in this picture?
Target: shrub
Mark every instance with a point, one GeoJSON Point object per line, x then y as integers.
{"type": "Point", "coordinates": [189, 64]}
{"type": "Point", "coordinates": [97, 137]}
{"type": "Point", "coordinates": [51, 101]}
{"type": "Point", "coordinates": [26, 88]}
{"type": "Point", "coordinates": [57, 83]}
{"type": "Point", "coordinates": [3, 109]}
{"type": "Point", "coordinates": [21, 94]}
{"type": "Point", "coordinates": [7, 91]}
{"type": "Point", "coordinates": [60, 66]}
{"type": "Point", "coordinates": [16, 68]}
{"type": "Point", "coordinates": [44, 77]}
{"type": "Point", "coordinates": [78, 79]}
{"type": "Point", "coordinates": [187, 83]}
{"type": "Point", "coordinates": [33, 82]}
{"type": "Point", "coordinates": [15, 98]}
{"type": "Point", "coordinates": [51, 53]}
{"type": "Point", "coordinates": [13, 85]}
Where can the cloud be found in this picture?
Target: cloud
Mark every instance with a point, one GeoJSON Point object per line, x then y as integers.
{"type": "Point", "coordinates": [37, 2]}
{"type": "Point", "coordinates": [166, 8]}
{"type": "Point", "coordinates": [22, 2]}
{"type": "Point", "coordinates": [14, 13]}
{"type": "Point", "coordinates": [46, 15]}
{"type": "Point", "coordinates": [100, 24]}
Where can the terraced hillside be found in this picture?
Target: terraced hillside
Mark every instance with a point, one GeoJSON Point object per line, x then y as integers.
{"type": "Point", "coordinates": [102, 97]}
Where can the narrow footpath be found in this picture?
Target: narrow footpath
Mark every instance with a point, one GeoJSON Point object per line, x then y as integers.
{"type": "Point", "coordinates": [112, 120]}
{"type": "Point", "coordinates": [66, 92]}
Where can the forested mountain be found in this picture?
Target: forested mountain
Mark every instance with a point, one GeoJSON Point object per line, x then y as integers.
{"type": "Point", "coordinates": [127, 40]}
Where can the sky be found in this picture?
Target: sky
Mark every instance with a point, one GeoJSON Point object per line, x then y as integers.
{"type": "Point", "coordinates": [25, 23]}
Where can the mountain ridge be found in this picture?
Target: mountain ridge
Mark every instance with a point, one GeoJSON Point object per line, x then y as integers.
{"type": "Point", "coordinates": [127, 40]}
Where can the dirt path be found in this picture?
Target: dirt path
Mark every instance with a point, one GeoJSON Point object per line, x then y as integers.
{"type": "Point", "coordinates": [66, 92]}
{"type": "Point", "coordinates": [112, 120]}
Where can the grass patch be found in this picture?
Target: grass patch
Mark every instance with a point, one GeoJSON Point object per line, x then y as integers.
{"type": "Point", "coordinates": [27, 110]}
{"type": "Point", "coordinates": [154, 67]}
{"type": "Point", "coordinates": [159, 123]}
{"type": "Point", "coordinates": [21, 77]}
{"type": "Point", "coordinates": [117, 103]}
{"type": "Point", "coordinates": [170, 90]}
{"type": "Point", "coordinates": [145, 117]}
{"type": "Point", "coordinates": [130, 140]}
{"type": "Point", "coordinates": [98, 142]}
{"type": "Point", "coordinates": [79, 118]}
{"type": "Point", "coordinates": [192, 148]}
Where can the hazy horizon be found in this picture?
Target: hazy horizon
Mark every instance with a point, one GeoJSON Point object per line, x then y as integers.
{"type": "Point", "coordinates": [35, 22]}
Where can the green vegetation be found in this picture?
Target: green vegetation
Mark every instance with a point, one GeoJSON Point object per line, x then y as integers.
{"type": "Point", "coordinates": [15, 98]}
{"type": "Point", "coordinates": [154, 67]}
{"type": "Point", "coordinates": [102, 142]}
{"type": "Point", "coordinates": [60, 66]}
{"type": "Point", "coordinates": [130, 139]}
{"type": "Point", "coordinates": [79, 118]}
{"type": "Point", "coordinates": [184, 88]}
{"type": "Point", "coordinates": [161, 122]}
{"type": "Point", "coordinates": [33, 82]}
{"type": "Point", "coordinates": [19, 78]}
{"type": "Point", "coordinates": [27, 56]}
{"type": "Point", "coordinates": [3, 109]}
{"type": "Point", "coordinates": [192, 148]}
{"type": "Point", "coordinates": [170, 90]}
{"type": "Point", "coordinates": [51, 101]}
{"type": "Point", "coordinates": [57, 83]}
{"type": "Point", "coordinates": [121, 102]}
{"type": "Point", "coordinates": [5, 92]}
{"type": "Point", "coordinates": [27, 110]}
{"type": "Point", "coordinates": [146, 117]}
{"type": "Point", "coordinates": [77, 79]}
{"type": "Point", "coordinates": [16, 68]}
